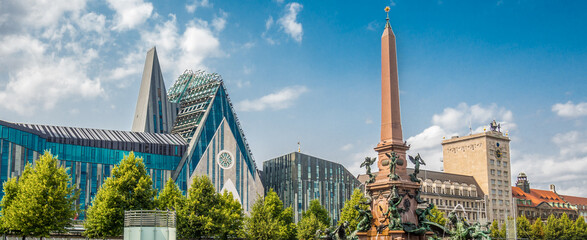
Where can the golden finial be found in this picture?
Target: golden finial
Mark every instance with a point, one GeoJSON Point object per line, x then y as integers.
{"type": "Point", "coordinates": [387, 19]}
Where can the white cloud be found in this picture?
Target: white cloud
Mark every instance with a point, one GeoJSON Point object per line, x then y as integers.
{"type": "Point", "coordinates": [130, 13]}
{"type": "Point", "coordinates": [219, 22]}
{"type": "Point", "coordinates": [570, 109]}
{"type": "Point", "coordinates": [16, 14]}
{"type": "Point", "coordinates": [368, 121]}
{"type": "Point", "coordinates": [346, 147]}
{"type": "Point", "coordinates": [177, 51]}
{"type": "Point", "coordinates": [289, 22]}
{"type": "Point", "coordinates": [92, 22]}
{"type": "Point", "coordinates": [46, 84]}
{"type": "Point", "coordinates": [456, 121]}
{"type": "Point", "coordinates": [282, 99]}
{"type": "Point", "coordinates": [191, 8]}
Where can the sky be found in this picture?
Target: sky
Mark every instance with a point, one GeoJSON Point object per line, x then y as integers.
{"type": "Point", "coordinates": [309, 72]}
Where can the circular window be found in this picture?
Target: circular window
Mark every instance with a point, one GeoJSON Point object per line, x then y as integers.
{"type": "Point", "coordinates": [225, 159]}
{"type": "Point", "coordinates": [497, 144]}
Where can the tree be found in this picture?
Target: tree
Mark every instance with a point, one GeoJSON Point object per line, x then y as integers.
{"type": "Point", "coordinates": [523, 227]}
{"type": "Point", "coordinates": [170, 197]}
{"type": "Point", "coordinates": [197, 218]}
{"type": "Point", "coordinates": [348, 211]}
{"type": "Point", "coordinates": [314, 219]}
{"type": "Point", "coordinates": [42, 201]}
{"type": "Point", "coordinates": [537, 229]}
{"type": "Point", "coordinates": [10, 192]}
{"type": "Point", "coordinates": [437, 216]}
{"type": "Point", "coordinates": [319, 211]}
{"type": "Point", "coordinates": [128, 188]}
{"type": "Point", "coordinates": [268, 220]}
{"type": "Point", "coordinates": [579, 229]}
{"type": "Point", "coordinates": [494, 230]}
{"type": "Point", "coordinates": [308, 226]}
{"type": "Point", "coordinates": [209, 214]}
{"type": "Point", "coordinates": [503, 230]}
{"type": "Point", "coordinates": [552, 229]}
{"type": "Point", "coordinates": [231, 215]}
{"type": "Point", "coordinates": [566, 227]}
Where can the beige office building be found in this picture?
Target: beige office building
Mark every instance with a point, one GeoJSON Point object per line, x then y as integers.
{"type": "Point", "coordinates": [486, 157]}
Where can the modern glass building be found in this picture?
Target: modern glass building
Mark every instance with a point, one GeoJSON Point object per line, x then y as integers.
{"type": "Point", "coordinates": [192, 132]}
{"type": "Point", "coordinates": [299, 178]}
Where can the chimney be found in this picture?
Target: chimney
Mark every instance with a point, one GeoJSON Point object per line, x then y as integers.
{"type": "Point", "coordinates": [552, 188]}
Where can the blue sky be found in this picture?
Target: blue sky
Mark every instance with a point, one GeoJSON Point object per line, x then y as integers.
{"type": "Point", "coordinates": [309, 71]}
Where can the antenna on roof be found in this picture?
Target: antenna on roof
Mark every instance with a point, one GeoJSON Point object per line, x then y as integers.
{"type": "Point", "coordinates": [470, 128]}
{"type": "Point", "coordinates": [299, 147]}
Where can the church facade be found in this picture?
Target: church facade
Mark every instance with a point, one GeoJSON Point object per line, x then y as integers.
{"type": "Point", "coordinates": [190, 130]}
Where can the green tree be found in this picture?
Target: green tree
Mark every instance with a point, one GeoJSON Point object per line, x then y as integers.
{"type": "Point", "coordinates": [503, 230]}
{"type": "Point", "coordinates": [552, 229]}
{"type": "Point", "coordinates": [308, 226]}
{"type": "Point", "coordinates": [437, 216]}
{"type": "Point", "coordinates": [566, 227]}
{"type": "Point", "coordinates": [197, 217]}
{"type": "Point", "coordinates": [231, 215]}
{"type": "Point", "coordinates": [268, 220]}
{"type": "Point", "coordinates": [579, 229]}
{"type": "Point", "coordinates": [494, 230]}
{"type": "Point", "coordinates": [128, 188]}
{"type": "Point", "coordinates": [44, 201]}
{"type": "Point", "coordinates": [348, 211]}
{"type": "Point", "coordinates": [537, 230]}
{"type": "Point", "coordinates": [523, 227]}
{"type": "Point", "coordinates": [170, 197]}
{"type": "Point", "coordinates": [319, 211]}
{"type": "Point", "coordinates": [10, 192]}
{"type": "Point", "coordinates": [209, 214]}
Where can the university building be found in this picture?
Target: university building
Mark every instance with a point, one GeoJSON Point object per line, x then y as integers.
{"type": "Point", "coordinates": [190, 130]}
{"type": "Point", "coordinates": [298, 178]}
{"type": "Point", "coordinates": [486, 157]}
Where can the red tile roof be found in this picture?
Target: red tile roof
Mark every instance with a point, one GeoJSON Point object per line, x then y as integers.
{"type": "Point", "coordinates": [575, 200]}
{"type": "Point", "coordinates": [537, 196]}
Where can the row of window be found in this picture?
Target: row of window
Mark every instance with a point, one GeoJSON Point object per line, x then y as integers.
{"type": "Point", "coordinates": [500, 192]}
{"type": "Point", "coordinates": [500, 202]}
{"type": "Point", "coordinates": [451, 191]}
{"type": "Point", "coordinates": [499, 163]}
{"type": "Point", "coordinates": [499, 172]}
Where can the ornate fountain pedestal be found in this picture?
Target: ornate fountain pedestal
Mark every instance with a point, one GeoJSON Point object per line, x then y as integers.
{"type": "Point", "coordinates": [381, 193]}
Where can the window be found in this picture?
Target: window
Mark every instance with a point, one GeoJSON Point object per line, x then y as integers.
{"type": "Point", "coordinates": [499, 183]}
{"type": "Point", "coordinates": [505, 164]}
{"type": "Point", "coordinates": [505, 173]}
{"type": "Point", "coordinates": [492, 181]}
{"type": "Point", "coordinates": [493, 192]}
{"type": "Point", "coordinates": [498, 172]}
{"type": "Point", "coordinates": [507, 202]}
{"type": "Point", "coordinates": [498, 163]}
{"type": "Point", "coordinates": [492, 171]}
{"type": "Point", "coordinates": [500, 192]}
{"type": "Point", "coordinates": [500, 202]}
{"type": "Point", "coordinates": [494, 202]}
{"type": "Point", "coordinates": [492, 162]}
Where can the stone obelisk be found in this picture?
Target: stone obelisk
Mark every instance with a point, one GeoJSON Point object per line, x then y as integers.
{"type": "Point", "coordinates": [391, 123]}
{"type": "Point", "coordinates": [393, 195]}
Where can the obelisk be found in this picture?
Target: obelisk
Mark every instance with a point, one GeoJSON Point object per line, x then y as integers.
{"type": "Point", "coordinates": [391, 125]}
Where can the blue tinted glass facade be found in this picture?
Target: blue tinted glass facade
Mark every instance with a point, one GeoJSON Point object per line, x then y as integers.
{"type": "Point", "coordinates": [88, 166]}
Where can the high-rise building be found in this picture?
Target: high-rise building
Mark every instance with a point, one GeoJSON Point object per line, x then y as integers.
{"type": "Point", "coordinates": [298, 178]}
{"type": "Point", "coordinates": [486, 157]}
{"type": "Point", "coordinates": [204, 139]}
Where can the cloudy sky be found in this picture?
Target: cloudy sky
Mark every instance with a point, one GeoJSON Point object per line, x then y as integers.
{"type": "Point", "coordinates": [309, 71]}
